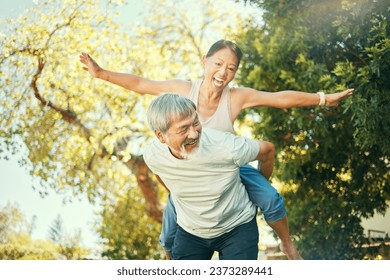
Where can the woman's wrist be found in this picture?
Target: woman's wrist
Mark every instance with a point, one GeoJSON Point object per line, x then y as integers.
{"type": "Point", "coordinates": [322, 98]}
{"type": "Point", "coordinates": [102, 74]}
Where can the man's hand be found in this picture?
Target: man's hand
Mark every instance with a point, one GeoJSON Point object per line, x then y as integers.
{"type": "Point", "coordinates": [90, 65]}
{"type": "Point", "coordinates": [334, 98]}
{"type": "Point", "coordinates": [168, 255]}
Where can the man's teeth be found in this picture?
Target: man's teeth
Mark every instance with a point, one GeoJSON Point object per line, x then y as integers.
{"type": "Point", "coordinates": [192, 142]}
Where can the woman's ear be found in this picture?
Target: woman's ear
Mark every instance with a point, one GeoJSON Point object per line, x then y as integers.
{"type": "Point", "coordinates": [204, 60]}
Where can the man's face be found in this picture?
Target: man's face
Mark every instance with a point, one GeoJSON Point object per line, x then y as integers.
{"type": "Point", "coordinates": [183, 136]}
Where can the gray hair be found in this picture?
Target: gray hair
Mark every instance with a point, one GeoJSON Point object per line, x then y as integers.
{"type": "Point", "coordinates": [166, 108]}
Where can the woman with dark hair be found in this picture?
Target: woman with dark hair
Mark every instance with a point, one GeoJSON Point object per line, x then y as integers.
{"type": "Point", "coordinates": [218, 106]}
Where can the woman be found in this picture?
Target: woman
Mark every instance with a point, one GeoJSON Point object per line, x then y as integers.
{"type": "Point", "coordinates": [218, 106]}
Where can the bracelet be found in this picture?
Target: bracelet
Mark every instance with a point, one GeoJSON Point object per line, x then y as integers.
{"type": "Point", "coordinates": [322, 98]}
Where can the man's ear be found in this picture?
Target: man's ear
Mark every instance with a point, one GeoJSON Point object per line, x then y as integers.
{"type": "Point", "coordinates": [160, 136]}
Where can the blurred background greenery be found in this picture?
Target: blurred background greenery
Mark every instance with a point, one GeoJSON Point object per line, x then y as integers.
{"type": "Point", "coordinates": [83, 138]}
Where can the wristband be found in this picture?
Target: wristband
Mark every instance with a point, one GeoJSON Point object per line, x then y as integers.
{"type": "Point", "coordinates": [322, 98]}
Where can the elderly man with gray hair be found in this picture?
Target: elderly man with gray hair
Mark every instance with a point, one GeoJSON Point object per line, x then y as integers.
{"type": "Point", "coordinates": [200, 167]}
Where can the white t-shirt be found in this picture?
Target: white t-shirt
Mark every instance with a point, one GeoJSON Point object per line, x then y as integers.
{"type": "Point", "coordinates": [206, 189]}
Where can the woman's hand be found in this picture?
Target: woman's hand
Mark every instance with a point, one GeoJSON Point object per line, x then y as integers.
{"type": "Point", "coordinates": [90, 65]}
{"type": "Point", "coordinates": [333, 99]}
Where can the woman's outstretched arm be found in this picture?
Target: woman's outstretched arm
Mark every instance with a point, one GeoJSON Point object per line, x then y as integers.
{"type": "Point", "coordinates": [133, 82]}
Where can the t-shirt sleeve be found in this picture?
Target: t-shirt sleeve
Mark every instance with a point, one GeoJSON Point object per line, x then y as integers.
{"type": "Point", "coordinates": [244, 150]}
{"type": "Point", "coordinates": [148, 158]}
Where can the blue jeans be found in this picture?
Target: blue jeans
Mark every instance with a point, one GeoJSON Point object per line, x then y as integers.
{"type": "Point", "coordinates": [237, 244]}
{"type": "Point", "coordinates": [260, 192]}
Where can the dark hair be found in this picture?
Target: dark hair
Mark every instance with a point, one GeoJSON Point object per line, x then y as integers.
{"type": "Point", "coordinates": [221, 44]}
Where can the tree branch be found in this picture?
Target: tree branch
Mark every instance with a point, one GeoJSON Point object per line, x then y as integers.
{"type": "Point", "coordinates": [136, 163]}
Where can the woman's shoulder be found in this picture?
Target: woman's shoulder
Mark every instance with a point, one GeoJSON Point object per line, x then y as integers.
{"type": "Point", "coordinates": [242, 95]}
{"type": "Point", "coordinates": [238, 98]}
{"type": "Point", "coordinates": [241, 92]}
{"type": "Point", "coordinates": [182, 87]}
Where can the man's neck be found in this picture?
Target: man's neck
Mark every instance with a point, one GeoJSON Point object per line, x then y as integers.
{"type": "Point", "coordinates": [176, 154]}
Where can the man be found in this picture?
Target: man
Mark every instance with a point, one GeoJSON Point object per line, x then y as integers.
{"type": "Point", "coordinates": [201, 170]}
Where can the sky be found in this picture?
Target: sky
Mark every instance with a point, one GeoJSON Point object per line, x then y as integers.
{"type": "Point", "coordinates": [16, 183]}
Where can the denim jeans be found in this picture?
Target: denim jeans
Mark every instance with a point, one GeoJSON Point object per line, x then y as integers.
{"type": "Point", "coordinates": [237, 244]}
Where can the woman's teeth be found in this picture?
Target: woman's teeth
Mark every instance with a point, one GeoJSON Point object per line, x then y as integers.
{"type": "Point", "coordinates": [218, 82]}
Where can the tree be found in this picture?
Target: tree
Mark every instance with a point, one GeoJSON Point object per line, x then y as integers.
{"type": "Point", "coordinates": [16, 242]}
{"type": "Point", "coordinates": [68, 246]}
{"type": "Point", "coordinates": [333, 163]}
{"type": "Point", "coordinates": [84, 137]}
{"type": "Point", "coordinates": [122, 235]}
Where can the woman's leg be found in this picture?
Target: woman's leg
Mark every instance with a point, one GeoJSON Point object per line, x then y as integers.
{"type": "Point", "coordinates": [169, 227]}
{"type": "Point", "coordinates": [262, 193]}
{"type": "Point", "coordinates": [271, 203]}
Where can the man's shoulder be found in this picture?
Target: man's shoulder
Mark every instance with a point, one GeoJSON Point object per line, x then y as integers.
{"type": "Point", "coordinates": [217, 133]}
{"type": "Point", "coordinates": [153, 148]}
{"type": "Point", "coordinates": [218, 137]}
{"type": "Point", "coordinates": [241, 148]}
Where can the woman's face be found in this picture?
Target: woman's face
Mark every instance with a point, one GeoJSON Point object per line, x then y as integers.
{"type": "Point", "coordinates": [220, 68]}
